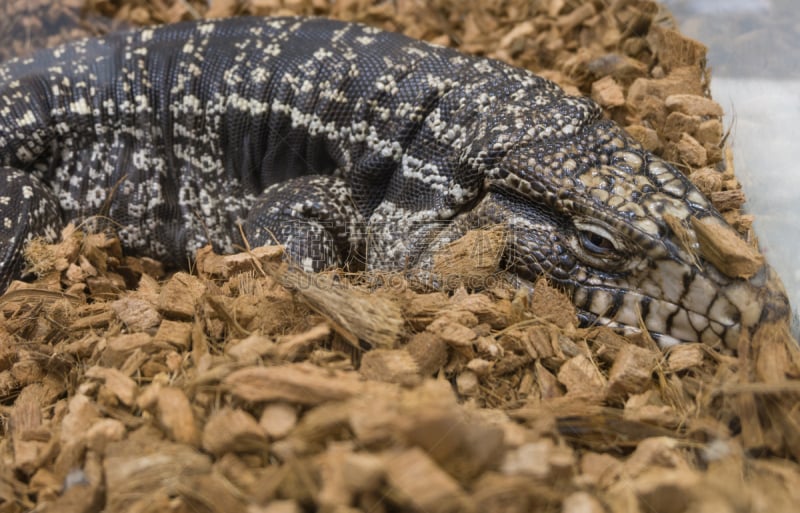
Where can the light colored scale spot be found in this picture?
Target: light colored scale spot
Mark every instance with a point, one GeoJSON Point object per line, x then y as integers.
{"type": "Point", "coordinates": [657, 315]}
{"type": "Point", "coordinates": [657, 168]}
{"type": "Point", "coordinates": [648, 226]}
{"type": "Point", "coordinates": [599, 194]}
{"type": "Point", "coordinates": [681, 327]}
{"type": "Point", "coordinates": [601, 302]}
{"type": "Point", "coordinates": [592, 179]}
{"type": "Point", "coordinates": [80, 106]}
{"type": "Point", "coordinates": [676, 209]}
{"type": "Point", "coordinates": [615, 201]}
{"type": "Point", "coordinates": [633, 208]}
{"type": "Point", "coordinates": [630, 158]}
{"type": "Point", "coordinates": [569, 165]}
{"type": "Point", "coordinates": [675, 187]}
{"type": "Point", "coordinates": [669, 278]}
{"type": "Point", "coordinates": [696, 197]}
{"type": "Point", "coordinates": [698, 321]}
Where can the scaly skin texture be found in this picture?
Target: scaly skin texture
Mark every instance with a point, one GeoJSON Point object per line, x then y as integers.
{"type": "Point", "coordinates": [349, 144]}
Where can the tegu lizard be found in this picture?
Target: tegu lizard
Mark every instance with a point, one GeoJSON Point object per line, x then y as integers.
{"type": "Point", "coordinates": [342, 142]}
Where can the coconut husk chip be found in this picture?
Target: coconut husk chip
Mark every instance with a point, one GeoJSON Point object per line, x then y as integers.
{"type": "Point", "coordinates": [248, 384]}
{"type": "Point", "coordinates": [725, 249]}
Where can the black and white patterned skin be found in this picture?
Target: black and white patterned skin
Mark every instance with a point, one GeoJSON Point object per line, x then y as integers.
{"type": "Point", "coordinates": [345, 142]}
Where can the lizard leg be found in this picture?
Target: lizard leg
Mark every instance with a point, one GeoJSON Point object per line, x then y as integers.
{"type": "Point", "coordinates": [314, 217]}
{"type": "Point", "coordinates": [28, 209]}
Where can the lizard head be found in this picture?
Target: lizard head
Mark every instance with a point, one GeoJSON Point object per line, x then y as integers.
{"type": "Point", "coordinates": [619, 229]}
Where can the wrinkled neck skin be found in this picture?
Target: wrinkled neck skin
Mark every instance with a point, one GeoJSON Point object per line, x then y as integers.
{"type": "Point", "coordinates": [594, 213]}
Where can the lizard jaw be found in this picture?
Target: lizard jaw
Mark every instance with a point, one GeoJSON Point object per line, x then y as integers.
{"type": "Point", "coordinates": [741, 306]}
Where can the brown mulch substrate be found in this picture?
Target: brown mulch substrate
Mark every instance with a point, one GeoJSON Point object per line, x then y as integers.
{"type": "Point", "coordinates": [27, 25]}
{"type": "Point", "coordinates": [248, 386]}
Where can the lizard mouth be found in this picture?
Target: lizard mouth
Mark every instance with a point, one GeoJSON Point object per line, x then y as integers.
{"type": "Point", "coordinates": [702, 317]}
{"type": "Point", "coordinates": [722, 316]}
{"type": "Point", "coordinates": [663, 340]}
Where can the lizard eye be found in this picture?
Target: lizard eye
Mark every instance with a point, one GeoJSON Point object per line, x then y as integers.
{"type": "Point", "coordinates": [595, 244]}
